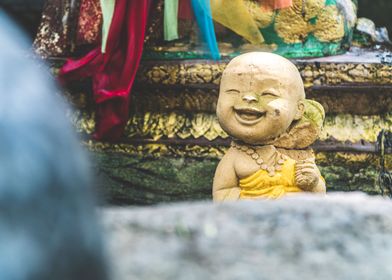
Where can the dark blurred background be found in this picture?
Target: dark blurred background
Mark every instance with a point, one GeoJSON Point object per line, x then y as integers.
{"type": "Point", "coordinates": [27, 12]}
{"type": "Point", "coordinates": [380, 11]}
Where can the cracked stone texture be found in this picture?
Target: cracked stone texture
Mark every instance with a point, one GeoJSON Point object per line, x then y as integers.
{"type": "Point", "coordinates": [342, 236]}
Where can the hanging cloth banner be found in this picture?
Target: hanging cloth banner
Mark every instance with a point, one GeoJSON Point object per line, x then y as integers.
{"type": "Point", "coordinates": [202, 11]}
{"type": "Point", "coordinates": [185, 10]}
{"type": "Point", "coordinates": [170, 20]}
{"type": "Point", "coordinates": [276, 4]}
{"type": "Point", "coordinates": [107, 14]}
{"type": "Point", "coordinates": [113, 73]}
{"type": "Point", "coordinates": [234, 15]}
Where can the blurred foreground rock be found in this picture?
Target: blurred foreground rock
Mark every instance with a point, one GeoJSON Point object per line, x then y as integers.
{"type": "Point", "coordinates": [343, 236]}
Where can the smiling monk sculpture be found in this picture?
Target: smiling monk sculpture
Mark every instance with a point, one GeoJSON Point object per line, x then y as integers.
{"type": "Point", "coordinates": [262, 106]}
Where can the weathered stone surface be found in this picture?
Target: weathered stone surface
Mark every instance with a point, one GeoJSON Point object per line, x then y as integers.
{"type": "Point", "coordinates": [125, 179]}
{"type": "Point", "coordinates": [131, 179]}
{"type": "Point", "coordinates": [339, 237]}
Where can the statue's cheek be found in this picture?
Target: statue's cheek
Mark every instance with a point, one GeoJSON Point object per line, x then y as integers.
{"type": "Point", "coordinates": [278, 108]}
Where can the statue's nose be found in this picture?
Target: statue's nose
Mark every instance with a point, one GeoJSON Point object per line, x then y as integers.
{"type": "Point", "coordinates": [249, 98]}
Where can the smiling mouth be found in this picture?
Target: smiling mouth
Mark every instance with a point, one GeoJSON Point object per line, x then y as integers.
{"type": "Point", "coordinates": [248, 116]}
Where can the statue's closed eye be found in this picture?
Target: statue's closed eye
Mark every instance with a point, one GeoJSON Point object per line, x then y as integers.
{"type": "Point", "coordinates": [232, 91]}
{"type": "Point", "coordinates": [269, 94]}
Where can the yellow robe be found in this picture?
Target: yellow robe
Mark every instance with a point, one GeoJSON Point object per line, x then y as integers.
{"type": "Point", "coordinates": [261, 185]}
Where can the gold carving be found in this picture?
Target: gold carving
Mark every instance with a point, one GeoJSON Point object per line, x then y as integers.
{"type": "Point", "coordinates": [354, 128]}
{"type": "Point", "coordinates": [330, 25]}
{"type": "Point", "coordinates": [186, 73]}
{"type": "Point", "coordinates": [155, 126]}
{"type": "Point", "coordinates": [308, 9]}
{"type": "Point", "coordinates": [204, 100]}
{"type": "Point", "coordinates": [293, 25]}
{"type": "Point", "coordinates": [181, 73]}
{"type": "Point", "coordinates": [328, 74]}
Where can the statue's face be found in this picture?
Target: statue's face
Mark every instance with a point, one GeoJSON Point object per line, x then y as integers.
{"type": "Point", "coordinates": [257, 105]}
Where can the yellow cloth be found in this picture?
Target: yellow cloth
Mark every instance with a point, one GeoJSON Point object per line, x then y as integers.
{"type": "Point", "coordinates": [261, 185]}
{"type": "Point", "coordinates": [234, 15]}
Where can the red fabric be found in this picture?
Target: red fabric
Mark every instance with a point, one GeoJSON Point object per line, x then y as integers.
{"type": "Point", "coordinates": [276, 4]}
{"type": "Point", "coordinates": [185, 9]}
{"type": "Point", "coordinates": [113, 73]}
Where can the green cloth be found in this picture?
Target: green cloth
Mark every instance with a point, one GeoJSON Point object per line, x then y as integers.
{"type": "Point", "coordinates": [170, 25]}
{"type": "Point", "coordinates": [107, 7]}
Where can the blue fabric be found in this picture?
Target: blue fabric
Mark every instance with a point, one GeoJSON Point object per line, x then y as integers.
{"type": "Point", "coordinates": [202, 11]}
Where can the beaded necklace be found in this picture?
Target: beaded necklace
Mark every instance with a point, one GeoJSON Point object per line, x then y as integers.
{"type": "Point", "coordinates": [280, 159]}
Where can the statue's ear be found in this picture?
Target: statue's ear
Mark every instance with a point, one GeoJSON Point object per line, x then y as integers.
{"type": "Point", "coordinates": [306, 130]}
{"type": "Point", "coordinates": [300, 110]}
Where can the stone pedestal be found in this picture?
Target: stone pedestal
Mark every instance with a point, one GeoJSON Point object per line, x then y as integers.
{"type": "Point", "coordinates": [344, 236]}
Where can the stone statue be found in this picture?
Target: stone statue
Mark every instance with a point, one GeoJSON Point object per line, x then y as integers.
{"type": "Point", "coordinates": [262, 106]}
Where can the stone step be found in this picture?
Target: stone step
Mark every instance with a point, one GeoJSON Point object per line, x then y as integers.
{"type": "Point", "coordinates": [343, 236]}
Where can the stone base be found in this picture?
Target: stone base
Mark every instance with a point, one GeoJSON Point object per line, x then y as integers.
{"type": "Point", "coordinates": [345, 236]}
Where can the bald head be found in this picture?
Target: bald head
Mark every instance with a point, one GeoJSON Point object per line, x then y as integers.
{"type": "Point", "coordinates": [263, 65]}
{"type": "Point", "coordinates": [260, 96]}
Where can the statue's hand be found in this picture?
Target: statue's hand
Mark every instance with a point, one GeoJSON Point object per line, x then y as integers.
{"type": "Point", "coordinates": [306, 175]}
